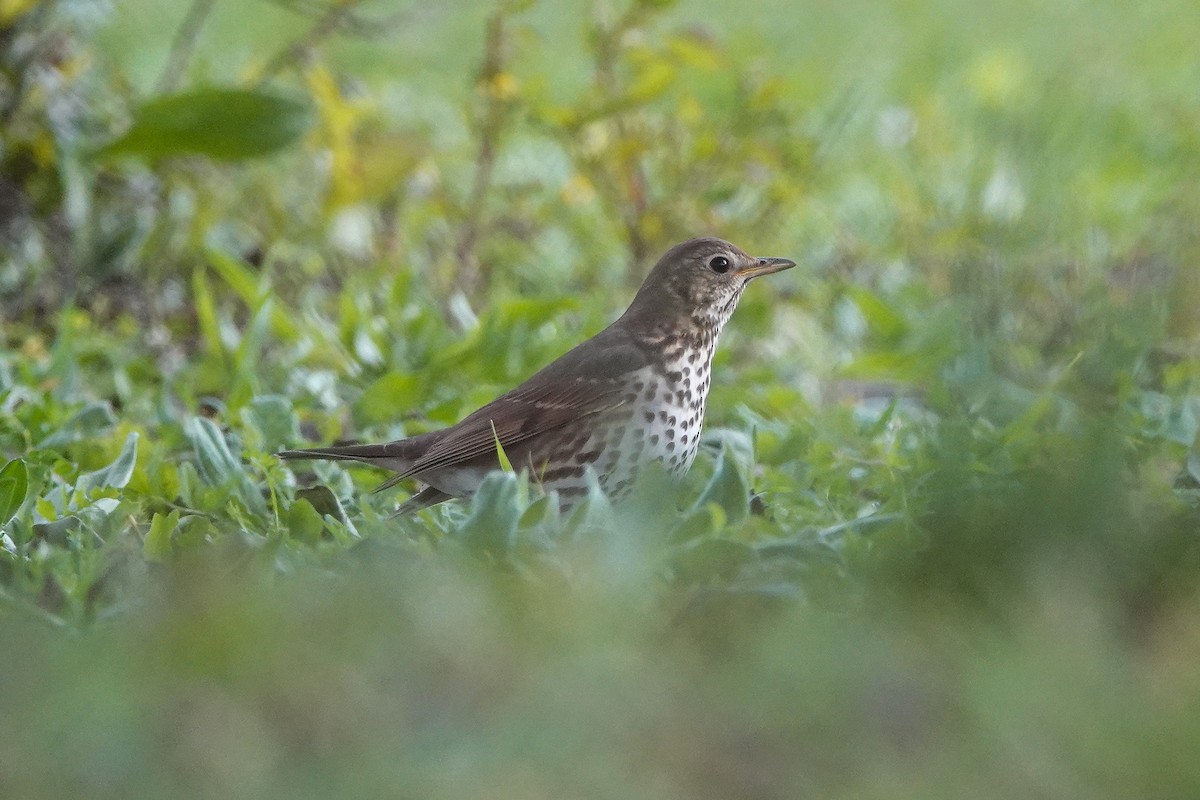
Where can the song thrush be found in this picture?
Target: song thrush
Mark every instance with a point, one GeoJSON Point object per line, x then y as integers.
{"type": "Point", "coordinates": [633, 393]}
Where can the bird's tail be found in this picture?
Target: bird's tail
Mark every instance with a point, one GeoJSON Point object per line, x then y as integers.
{"type": "Point", "coordinates": [366, 453]}
{"type": "Point", "coordinates": [396, 456]}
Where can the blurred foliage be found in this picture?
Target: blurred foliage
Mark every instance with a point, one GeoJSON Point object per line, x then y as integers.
{"type": "Point", "coordinates": [942, 538]}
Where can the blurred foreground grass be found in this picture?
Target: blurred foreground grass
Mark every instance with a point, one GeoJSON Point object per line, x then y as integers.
{"type": "Point", "coordinates": [942, 539]}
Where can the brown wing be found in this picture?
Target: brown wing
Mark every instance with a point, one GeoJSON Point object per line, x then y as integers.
{"type": "Point", "coordinates": [588, 380]}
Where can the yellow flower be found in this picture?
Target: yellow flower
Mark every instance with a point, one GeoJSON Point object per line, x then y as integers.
{"type": "Point", "coordinates": [578, 190]}
{"type": "Point", "coordinates": [503, 86]}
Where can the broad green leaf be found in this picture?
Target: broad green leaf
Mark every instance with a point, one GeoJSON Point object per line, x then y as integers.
{"type": "Point", "coordinates": [495, 511]}
{"type": "Point", "coordinates": [225, 124]}
{"type": "Point", "coordinates": [700, 522]}
{"type": "Point", "coordinates": [214, 459]}
{"type": "Point", "coordinates": [157, 547]}
{"type": "Point", "coordinates": [219, 467]}
{"type": "Point", "coordinates": [323, 500]}
{"type": "Point", "coordinates": [194, 531]}
{"type": "Point", "coordinates": [116, 474]}
{"type": "Point", "coordinates": [56, 532]}
{"type": "Point", "coordinates": [190, 484]}
{"type": "Point", "coordinates": [272, 418]}
{"type": "Point", "coordinates": [92, 419]}
{"type": "Point", "coordinates": [46, 509]}
{"type": "Point", "coordinates": [97, 517]}
{"type": "Point", "coordinates": [304, 522]}
{"type": "Point", "coordinates": [387, 399]}
{"type": "Point", "coordinates": [885, 322]}
{"type": "Point", "coordinates": [653, 501]}
{"type": "Point", "coordinates": [14, 485]}
{"type": "Point", "coordinates": [594, 515]}
{"type": "Point", "coordinates": [728, 488]}
{"type": "Point", "coordinates": [542, 516]}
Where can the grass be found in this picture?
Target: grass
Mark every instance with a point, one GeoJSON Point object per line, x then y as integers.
{"type": "Point", "coordinates": [941, 540]}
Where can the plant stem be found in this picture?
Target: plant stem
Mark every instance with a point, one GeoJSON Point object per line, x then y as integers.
{"type": "Point", "coordinates": [183, 45]}
{"type": "Point", "coordinates": [325, 26]}
{"type": "Point", "coordinates": [494, 114]}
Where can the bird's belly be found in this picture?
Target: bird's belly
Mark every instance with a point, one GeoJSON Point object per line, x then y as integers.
{"type": "Point", "coordinates": [671, 411]}
{"type": "Point", "coordinates": [457, 481]}
{"type": "Point", "coordinates": [669, 433]}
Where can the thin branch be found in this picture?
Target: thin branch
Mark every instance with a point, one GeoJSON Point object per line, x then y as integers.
{"type": "Point", "coordinates": [325, 26]}
{"type": "Point", "coordinates": [368, 27]}
{"type": "Point", "coordinates": [632, 177]}
{"type": "Point", "coordinates": [183, 45]}
{"type": "Point", "coordinates": [495, 112]}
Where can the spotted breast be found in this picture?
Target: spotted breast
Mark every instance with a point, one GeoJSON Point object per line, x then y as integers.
{"type": "Point", "coordinates": [659, 419]}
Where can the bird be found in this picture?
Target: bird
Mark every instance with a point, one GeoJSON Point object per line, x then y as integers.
{"type": "Point", "coordinates": [633, 394]}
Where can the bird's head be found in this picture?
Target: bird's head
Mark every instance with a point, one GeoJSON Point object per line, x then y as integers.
{"type": "Point", "coordinates": [702, 279]}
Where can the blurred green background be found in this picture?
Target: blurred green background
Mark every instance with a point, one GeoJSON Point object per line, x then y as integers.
{"type": "Point", "coordinates": [941, 540]}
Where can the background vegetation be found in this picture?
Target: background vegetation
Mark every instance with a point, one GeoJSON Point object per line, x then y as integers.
{"type": "Point", "coordinates": [942, 541]}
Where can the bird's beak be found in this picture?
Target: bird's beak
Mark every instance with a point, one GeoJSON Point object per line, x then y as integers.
{"type": "Point", "coordinates": [765, 266]}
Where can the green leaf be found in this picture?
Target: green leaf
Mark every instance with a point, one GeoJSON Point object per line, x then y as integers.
{"type": "Point", "coordinates": [214, 459]}
{"type": "Point", "coordinates": [14, 485]}
{"type": "Point", "coordinates": [246, 357]}
{"type": "Point", "coordinates": [888, 324]}
{"type": "Point", "coordinates": [654, 78]}
{"type": "Point", "coordinates": [219, 467]}
{"type": "Point", "coordinates": [190, 484]}
{"type": "Point", "coordinates": [387, 399]}
{"type": "Point", "coordinates": [304, 523]}
{"type": "Point", "coordinates": [157, 547]}
{"type": "Point", "coordinates": [495, 512]}
{"type": "Point", "coordinates": [254, 336]}
{"type": "Point", "coordinates": [193, 532]}
{"type": "Point", "coordinates": [700, 522]}
{"type": "Point", "coordinates": [225, 124]}
{"type": "Point", "coordinates": [505, 464]}
{"type": "Point", "coordinates": [272, 418]}
{"type": "Point", "coordinates": [728, 488]}
{"type": "Point", "coordinates": [92, 419]}
{"type": "Point", "coordinates": [593, 516]}
{"type": "Point", "coordinates": [251, 286]}
{"type": "Point", "coordinates": [247, 284]}
{"type": "Point", "coordinates": [712, 560]}
{"type": "Point", "coordinates": [323, 500]}
{"type": "Point", "coordinates": [206, 313]}
{"type": "Point", "coordinates": [116, 474]}
{"type": "Point", "coordinates": [1025, 425]}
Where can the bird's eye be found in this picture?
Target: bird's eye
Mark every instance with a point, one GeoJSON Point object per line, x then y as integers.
{"type": "Point", "coordinates": [719, 264]}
